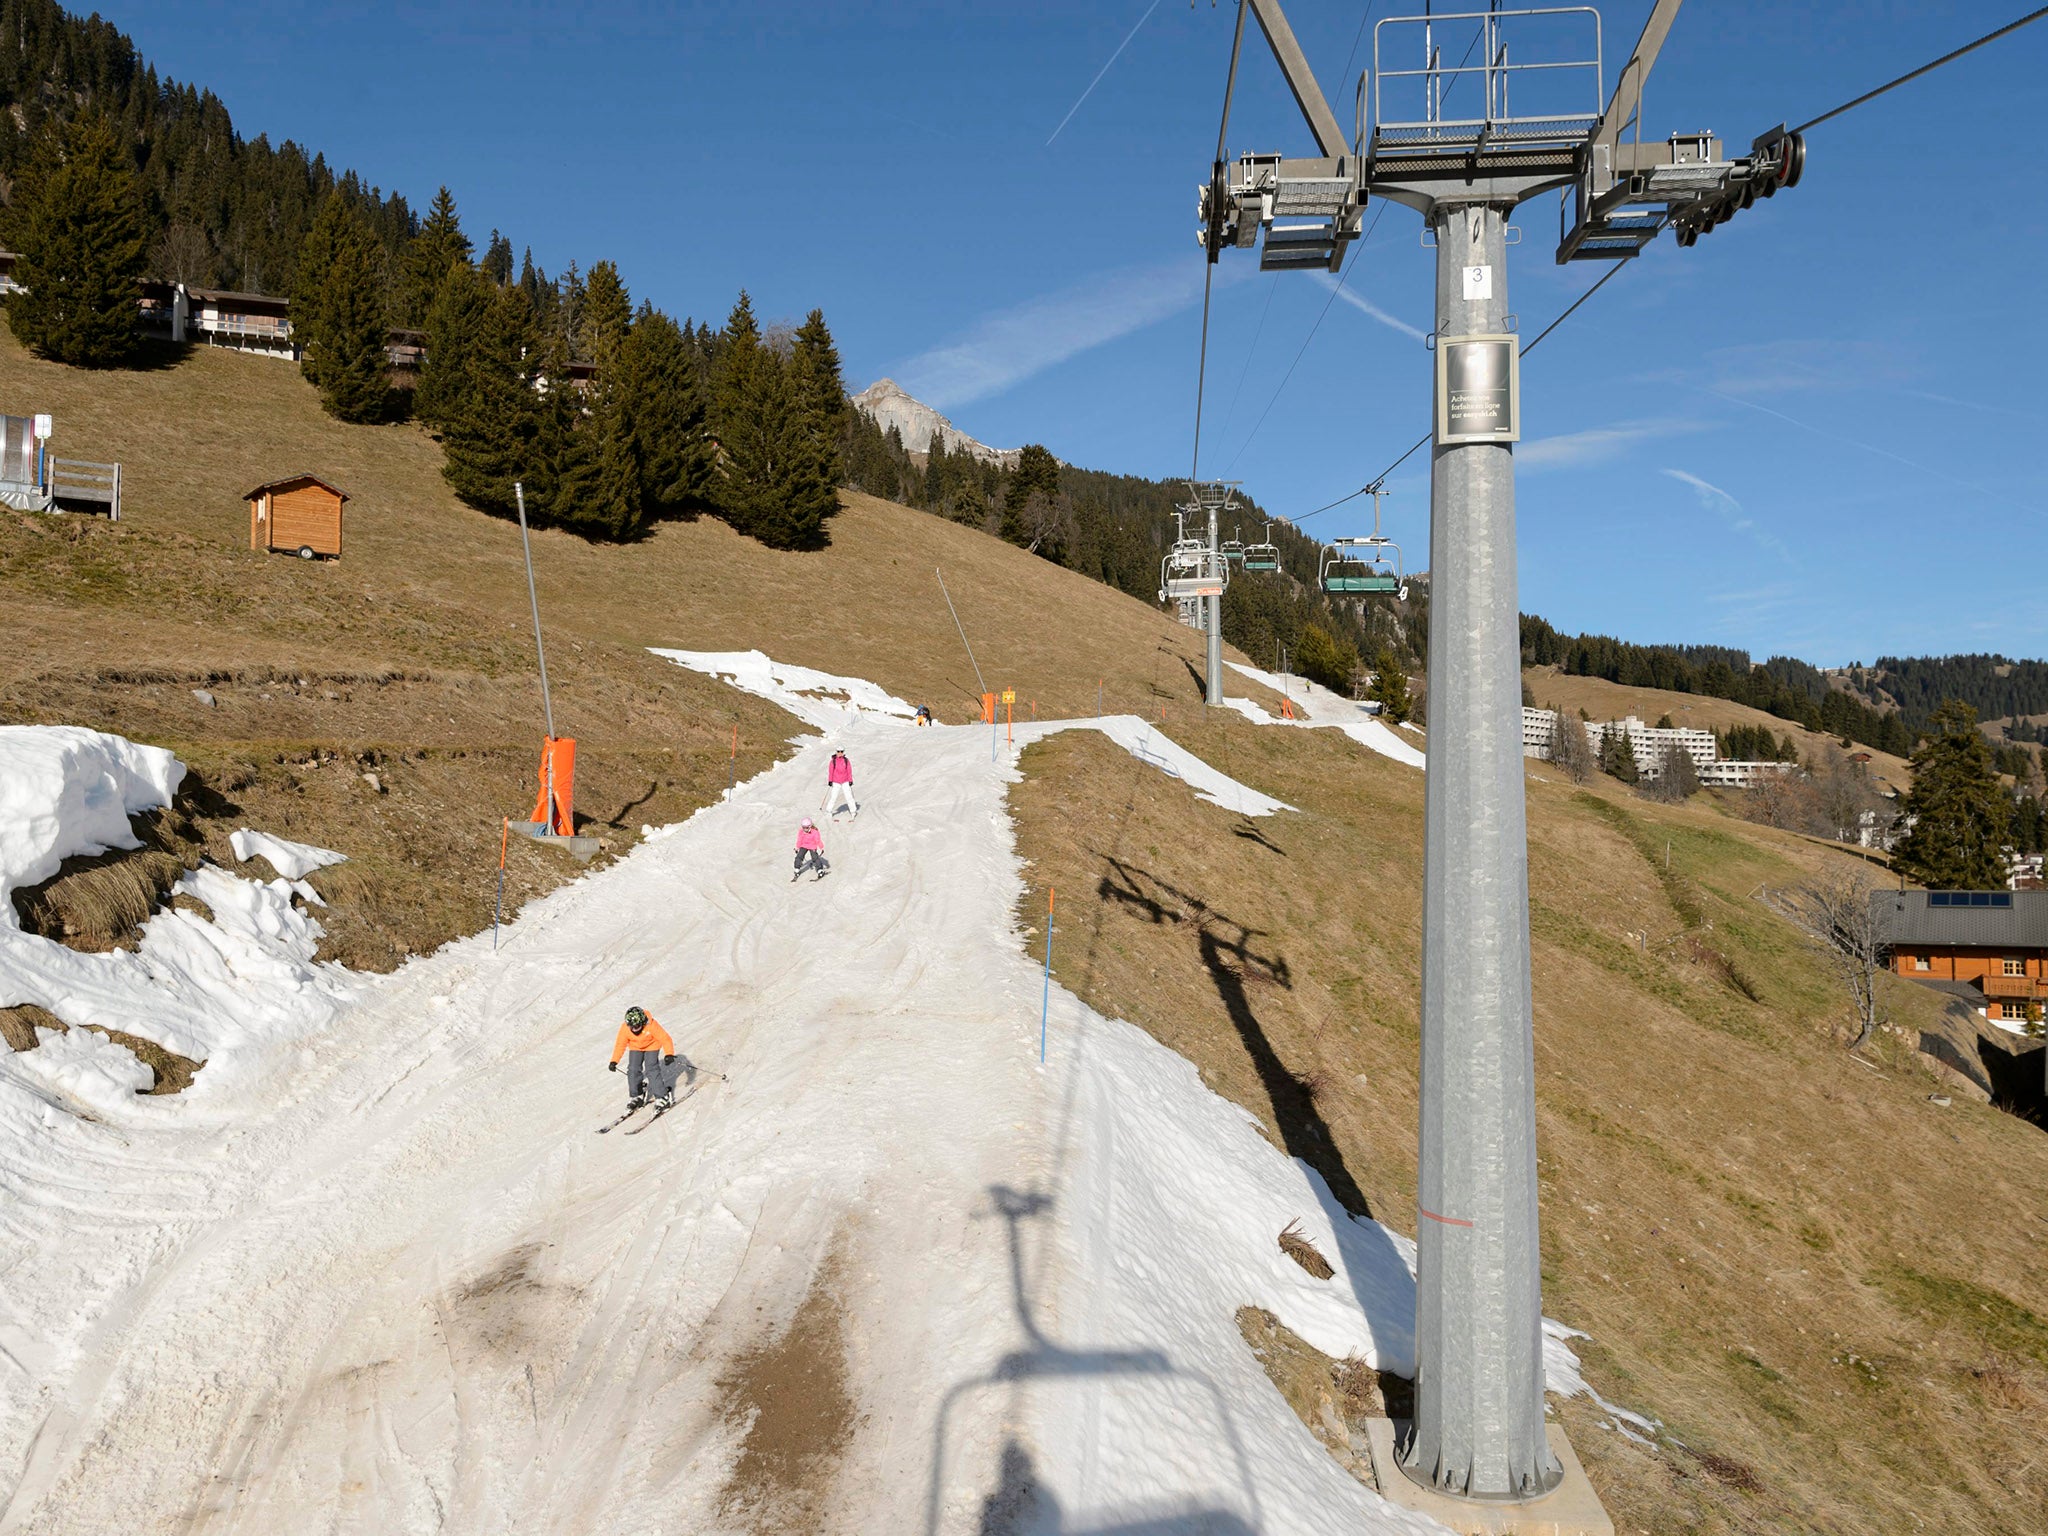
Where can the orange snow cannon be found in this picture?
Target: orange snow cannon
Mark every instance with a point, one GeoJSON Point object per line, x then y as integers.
{"type": "Point", "coordinates": [554, 812]}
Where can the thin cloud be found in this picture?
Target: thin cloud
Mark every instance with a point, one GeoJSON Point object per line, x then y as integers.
{"type": "Point", "coordinates": [1872, 448]}
{"type": "Point", "coordinates": [1596, 445]}
{"type": "Point", "coordinates": [1360, 302]}
{"type": "Point", "coordinates": [1721, 504]}
{"type": "Point", "coordinates": [1120, 47]}
{"type": "Point", "coordinates": [1011, 345]}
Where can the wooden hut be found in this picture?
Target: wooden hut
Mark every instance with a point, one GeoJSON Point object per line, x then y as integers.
{"type": "Point", "coordinates": [298, 515]}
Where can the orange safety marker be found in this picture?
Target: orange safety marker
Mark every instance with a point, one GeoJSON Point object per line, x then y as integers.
{"type": "Point", "coordinates": [988, 708]}
{"type": "Point", "coordinates": [1286, 707]}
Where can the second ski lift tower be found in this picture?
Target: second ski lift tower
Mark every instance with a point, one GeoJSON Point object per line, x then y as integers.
{"type": "Point", "coordinates": [1212, 499]}
{"type": "Point", "coordinates": [1463, 117]}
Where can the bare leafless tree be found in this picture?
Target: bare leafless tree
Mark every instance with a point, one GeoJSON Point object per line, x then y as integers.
{"type": "Point", "coordinates": [183, 254]}
{"type": "Point", "coordinates": [1049, 521]}
{"type": "Point", "coordinates": [1571, 753]}
{"type": "Point", "coordinates": [1835, 913]}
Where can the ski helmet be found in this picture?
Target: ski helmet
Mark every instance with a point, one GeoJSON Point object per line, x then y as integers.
{"type": "Point", "coordinates": [636, 1019]}
{"type": "Point", "coordinates": [808, 822]}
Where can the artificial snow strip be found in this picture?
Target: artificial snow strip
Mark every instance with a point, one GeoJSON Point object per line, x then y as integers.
{"type": "Point", "coordinates": [1320, 708]}
{"type": "Point", "coordinates": [809, 696]}
{"type": "Point", "coordinates": [398, 1281]}
{"type": "Point", "coordinates": [294, 861]}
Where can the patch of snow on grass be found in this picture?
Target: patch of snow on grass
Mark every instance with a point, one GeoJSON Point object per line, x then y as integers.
{"type": "Point", "coordinates": [294, 861]}
{"type": "Point", "coordinates": [85, 1067]}
{"type": "Point", "coordinates": [1144, 741]}
{"type": "Point", "coordinates": [819, 699]}
{"type": "Point", "coordinates": [1320, 708]}
{"type": "Point", "coordinates": [67, 791]}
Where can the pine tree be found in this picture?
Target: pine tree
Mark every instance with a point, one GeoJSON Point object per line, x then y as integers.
{"type": "Point", "coordinates": [606, 318]}
{"type": "Point", "coordinates": [355, 371]}
{"type": "Point", "coordinates": [332, 227]}
{"type": "Point", "coordinates": [1037, 475]}
{"type": "Point", "coordinates": [1390, 688]}
{"type": "Point", "coordinates": [488, 441]}
{"type": "Point", "coordinates": [454, 325]}
{"type": "Point", "coordinates": [747, 401]}
{"type": "Point", "coordinates": [78, 224]}
{"type": "Point", "coordinates": [668, 415]}
{"type": "Point", "coordinates": [497, 262]}
{"type": "Point", "coordinates": [439, 245]}
{"type": "Point", "coordinates": [821, 394]}
{"type": "Point", "coordinates": [1959, 810]}
{"type": "Point", "coordinates": [602, 491]}
{"type": "Point", "coordinates": [1618, 755]}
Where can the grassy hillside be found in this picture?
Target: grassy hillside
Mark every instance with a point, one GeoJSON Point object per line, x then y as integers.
{"type": "Point", "coordinates": [411, 657]}
{"type": "Point", "coordinates": [1603, 700]}
{"type": "Point", "coordinates": [1829, 1290]}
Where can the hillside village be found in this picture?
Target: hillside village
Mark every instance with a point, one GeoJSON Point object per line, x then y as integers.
{"type": "Point", "coordinates": [455, 1079]}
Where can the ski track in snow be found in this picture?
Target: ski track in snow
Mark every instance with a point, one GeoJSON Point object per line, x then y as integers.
{"type": "Point", "coordinates": [403, 1285]}
{"type": "Point", "coordinates": [1319, 708]}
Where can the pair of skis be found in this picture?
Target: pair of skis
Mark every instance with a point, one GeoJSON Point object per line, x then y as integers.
{"type": "Point", "coordinates": [660, 1110]}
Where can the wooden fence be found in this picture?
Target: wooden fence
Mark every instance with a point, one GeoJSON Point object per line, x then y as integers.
{"type": "Point", "coordinates": [73, 480]}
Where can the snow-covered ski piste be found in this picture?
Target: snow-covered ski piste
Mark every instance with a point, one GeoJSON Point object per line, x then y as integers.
{"type": "Point", "coordinates": [381, 1276]}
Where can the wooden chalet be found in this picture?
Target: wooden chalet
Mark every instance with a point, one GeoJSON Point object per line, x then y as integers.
{"type": "Point", "coordinates": [1996, 941]}
{"type": "Point", "coordinates": [298, 515]}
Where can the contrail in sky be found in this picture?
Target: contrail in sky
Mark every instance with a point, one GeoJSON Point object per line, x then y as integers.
{"type": "Point", "coordinates": [1120, 47]}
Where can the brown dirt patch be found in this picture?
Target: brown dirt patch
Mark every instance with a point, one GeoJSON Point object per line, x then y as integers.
{"type": "Point", "coordinates": [1332, 1398]}
{"type": "Point", "coordinates": [792, 1391]}
{"type": "Point", "coordinates": [174, 1073]}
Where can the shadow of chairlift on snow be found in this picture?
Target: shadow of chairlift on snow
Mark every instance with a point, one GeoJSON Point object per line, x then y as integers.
{"type": "Point", "coordinates": [1021, 1504]}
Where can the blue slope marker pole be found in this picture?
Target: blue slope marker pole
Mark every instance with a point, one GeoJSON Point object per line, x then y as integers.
{"type": "Point", "coordinates": [1045, 1001]}
{"type": "Point", "coordinates": [505, 837]}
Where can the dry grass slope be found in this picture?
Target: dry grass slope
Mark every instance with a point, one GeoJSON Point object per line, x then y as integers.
{"type": "Point", "coordinates": [386, 704]}
{"type": "Point", "coordinates": [1825, 1287]}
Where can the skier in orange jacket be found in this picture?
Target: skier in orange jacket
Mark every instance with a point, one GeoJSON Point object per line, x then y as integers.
{"type": "Point", "coordinates": [651, 1061]}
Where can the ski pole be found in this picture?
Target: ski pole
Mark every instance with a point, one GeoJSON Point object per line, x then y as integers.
{"type": "Point", "coordinates": [504, 838]}
{"type": "Point", "coordinates": [1045, 1001]}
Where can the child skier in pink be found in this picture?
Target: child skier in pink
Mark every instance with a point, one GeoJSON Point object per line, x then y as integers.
{"type": "Point", "coordinates": [810, 850]}
{"type": "Point", "coordinates": [839, 785]}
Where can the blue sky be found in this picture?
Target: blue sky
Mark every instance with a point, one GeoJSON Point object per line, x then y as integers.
{"type": "Point", "coordinates": [1816, 432]}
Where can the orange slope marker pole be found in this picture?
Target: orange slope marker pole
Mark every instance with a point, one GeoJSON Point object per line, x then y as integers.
{"type": "Point", "coordinates": [732, 766]}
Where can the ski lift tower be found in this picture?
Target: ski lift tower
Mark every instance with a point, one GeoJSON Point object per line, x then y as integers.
{"type": "Point", "coordinates": [1463, 117]}
{"type": "Point", "coordinates": [1212, 499]}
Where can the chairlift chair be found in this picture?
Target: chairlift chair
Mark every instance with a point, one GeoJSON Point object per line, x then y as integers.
{"type": "Point", "coordinates": [1233, 548]}
{"type": "Point", "coordinates": [1357, 567]}
{"type": "Point", "coordinates": [1264, 555]}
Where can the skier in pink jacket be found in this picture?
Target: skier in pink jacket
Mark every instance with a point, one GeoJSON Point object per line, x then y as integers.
{"type": "Point", "coordinates": [839, 785]}
{"type": "Point", "coordinates": [810, 850]}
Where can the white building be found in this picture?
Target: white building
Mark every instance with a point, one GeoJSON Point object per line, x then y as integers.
{"type": "Point", "coordinates": [1650, 743]}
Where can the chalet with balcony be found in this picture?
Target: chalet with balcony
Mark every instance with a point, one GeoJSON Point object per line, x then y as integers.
{"type": "Point", "coordinates": [1996, 942]}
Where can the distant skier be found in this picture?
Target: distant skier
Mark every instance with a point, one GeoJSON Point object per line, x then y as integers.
{"type": "Point", "coordinates": [924, 714]}
{"type": "Point", "coordinates": [810, 850]}
{"type": "Point", "coordinates": [651, 1061]}
{"type": "Point", "coordinates": [838, 785]}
